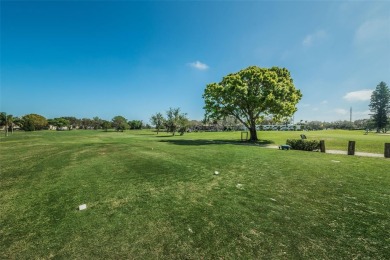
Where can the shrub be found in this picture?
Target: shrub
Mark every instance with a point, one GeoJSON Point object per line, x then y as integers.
{"type": "Point", "coordinates": [305, 145]}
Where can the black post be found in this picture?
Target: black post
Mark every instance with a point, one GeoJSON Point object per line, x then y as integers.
{"type": "Point", "coordinates": [351, 148]}
{"type": "Point", "coordinates": [387, 150]}
{"type": "Point", "coordinates": [322, 146]}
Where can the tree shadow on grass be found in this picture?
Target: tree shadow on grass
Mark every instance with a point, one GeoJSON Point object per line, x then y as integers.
{"type": "Point", "coordinates": [214, 142]}
{"type": "Point", "coordinates": [164, 135]}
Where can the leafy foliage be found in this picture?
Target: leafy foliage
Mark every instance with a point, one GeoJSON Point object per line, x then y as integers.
{"type": "Point", "coordinates": [380, 106]}
{"type": "Point", "coordinates": [106, 125]}
{"type": "Point", "coordinates": [176, 121]}
{"type": "Point", "coordinates": [73, 121]}
{"type": "Point", "coordinates": [305, 145]}
{"type": "Point", "coordinates": [158, 120]}
{"type": "Point", "coordinates": [7, 121]}
{"type": "Point", "coordinates": [120, 123]}
{"type": "Point", "coordinates": [59, 122]}
{"type": "Point", "coordinates": [251, 94]}
{"type": "Point", "coordinates": [34, 122]}
{"type": "Point", "coordinates": [3, 117]}
{"type": "Point", "coordinates": [135, 124]}
{"type": "Point", "coordinates": [97, 122]}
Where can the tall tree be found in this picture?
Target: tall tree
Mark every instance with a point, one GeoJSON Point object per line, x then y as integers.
{"type": "Point", "coordinates": [10, 123]}
{"type": "Point", "coordinates": [158, 121]}
{"type": "Point", "coordinates": [7, 121]}
{"type": "Point", "coordinates": [380, 106]}
{"type": "Point", "coordinates": [252, 94]}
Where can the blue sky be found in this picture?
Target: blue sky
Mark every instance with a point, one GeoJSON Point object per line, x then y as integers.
{"type": "Point", "coordinates": [134, 58]}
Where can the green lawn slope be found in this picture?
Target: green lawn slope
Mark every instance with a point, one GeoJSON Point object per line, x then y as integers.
{"type": "Point", "coordinates": [154, 196]}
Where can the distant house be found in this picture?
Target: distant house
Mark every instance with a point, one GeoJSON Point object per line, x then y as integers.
{"type": "Point", "coordinates": [62, 128]}
{"type": "Point", "coordinates": [278, 127]}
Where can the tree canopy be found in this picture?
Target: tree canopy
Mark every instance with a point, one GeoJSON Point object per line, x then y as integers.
{"type": "Point", "coordinates": [176, 121]}
{"type": "Point", "coordinates": [251, 94]}
{"type": "Point", "coordinates": [380, 106]}
{"type": "Point", "coordinates": [7, 121]}
{"type": "Point", "coordinates": [135, 124]}
{"type": "Point", "coordinates": [157, 120]}
{"type": "Point", "coordinates": [59, 122]}
{"type": "Point", "coordinates": [32, 122]}
{"type": "Point", "coordinates": [119, 123]}
{"type": "Point", "coordinates": [106, 125]}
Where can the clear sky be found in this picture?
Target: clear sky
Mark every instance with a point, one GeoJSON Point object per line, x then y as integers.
{"type": "Point", "coordinates": [136, 58]}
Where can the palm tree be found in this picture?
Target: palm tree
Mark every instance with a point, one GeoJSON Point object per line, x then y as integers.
{"type": "Point", "coordinates": [4, 122]}
{"type": "Point", "coordinates": [10, 123]}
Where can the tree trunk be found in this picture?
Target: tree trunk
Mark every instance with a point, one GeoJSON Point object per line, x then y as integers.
{"type": "Point", "coordinates": [253, 133]}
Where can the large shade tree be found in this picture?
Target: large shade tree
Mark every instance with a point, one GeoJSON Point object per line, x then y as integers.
{"type": "Point", "coordinates": [252, 94]}
{"type": "Point", "coordinates": [380, 106]}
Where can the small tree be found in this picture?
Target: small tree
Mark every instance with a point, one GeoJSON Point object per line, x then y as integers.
{"type": "Point", "coordinates": [105, 125]}
{"type": "Point", "coordinates": [176, 121]}
{"type": "Point", "coordinates": [380, 106]}
{"type": "Point", "coordinates": [135, 124]}
{"type": "Point", "coordinates": [120, 123]}
{"type": "Point", "coordinates": [96, 122]}
{"type": "Point", "coordinates": [157, 120]}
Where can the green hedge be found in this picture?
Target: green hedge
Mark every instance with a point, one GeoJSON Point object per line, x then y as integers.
{"type": "Point", "coordinates": [305, 145]}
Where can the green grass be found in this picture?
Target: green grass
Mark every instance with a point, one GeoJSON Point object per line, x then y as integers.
{"type": "Point", "coordinates": [334, 139]}
{"type": "Point", "coordinates": [152, 196]}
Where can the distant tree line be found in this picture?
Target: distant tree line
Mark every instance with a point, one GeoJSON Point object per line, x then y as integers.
{"type": "Point", "coordinates": [176, 121]}
{"type": "Point", "coordinates": [33, 122]}
{"type": "Point", "coordinates": [173, 122]}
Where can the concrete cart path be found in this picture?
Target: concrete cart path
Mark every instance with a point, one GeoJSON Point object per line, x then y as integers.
{"type": "Point", "coordinates": [356, 153]}
{"type": "Point", "coordinates": [340, 152]}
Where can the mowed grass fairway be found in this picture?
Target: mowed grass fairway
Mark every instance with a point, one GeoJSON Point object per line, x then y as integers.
{"type": "Point", "coordinates": [152, 196]}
